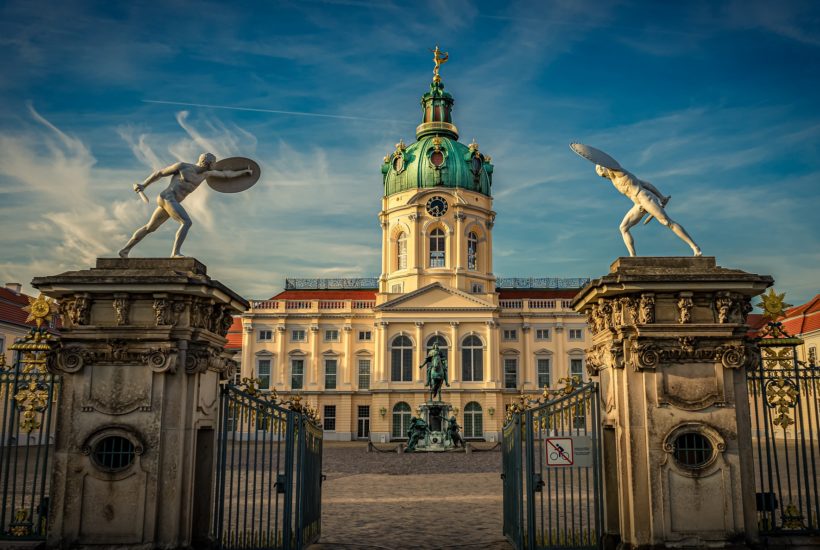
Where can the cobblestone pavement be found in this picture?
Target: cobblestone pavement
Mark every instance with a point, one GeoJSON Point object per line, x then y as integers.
{"type": "Point", "coordinates": [388, 500]}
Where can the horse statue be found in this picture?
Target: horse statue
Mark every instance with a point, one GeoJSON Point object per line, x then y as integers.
{"type": "Point", "coordinates": [436, 365]}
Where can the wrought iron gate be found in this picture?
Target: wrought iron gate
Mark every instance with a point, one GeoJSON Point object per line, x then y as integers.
{"type": "Point", "coordinates": [784, 396]}
{"type": "Point", "coordinates": [27, 397]}
{"type": "Point", "coordinates": [269, 471]}
{"type": "Point", "coordinates": [552, 470]}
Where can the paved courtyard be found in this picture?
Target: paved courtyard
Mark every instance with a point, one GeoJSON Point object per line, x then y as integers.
{"type": "Point", "coordinates": [424, 500]}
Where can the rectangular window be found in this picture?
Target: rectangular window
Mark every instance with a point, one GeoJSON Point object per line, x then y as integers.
{"type": "Point", "coordinates": [330, 374]}
{"type": "Point", "coordinates": [576, 368]}
{"type": "Point", "coordinates": [476, 288]}
{"type": "Point", "coordinates": [329, 418]}
{"type": "Point", "coordinates": [265, 335]}
{"type": "Point", "coordinates": [542, 334]}
{"type": "Point", "coordinates": [510, 334]}
{"type": "Point", "coordinates": [364, 374]}
{"type": "Point", "coordinates": [263, 373]}
{"type": "Point", "coordinates": [332, 335]}
{"type": "Point", "coordinates": [543, 373]}
{"type": "Point", "coordinates": [510, 373]}
{"type": "Point", "coordinates": [297, 335]}
{"type": "Point", "coordinates": [365, 336]}
{"type": "Point", "coordinates": [396, 289]}
{"type": "Point", "coordinates": [576, 334]}
{"type": "Point", "coordinates": [297, 373]}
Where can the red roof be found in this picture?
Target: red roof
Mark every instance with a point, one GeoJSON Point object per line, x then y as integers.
{"type": "Point", "coordinates": [803, 318]}
{"type": "Point", "coordinates": [234, 335]}
{"type": "Point", "coordinates": [11, 308]}
{"type": "Point", "coordinates": [326, 295]}
{"type": "Point", "coordinates": [798, 320]}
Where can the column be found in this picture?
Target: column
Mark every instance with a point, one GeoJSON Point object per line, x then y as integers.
{"type": "Point", "coordinates": [313, 334]}
{"type": "Point", "coordinates": [381, 366]}
{"type": "Point", "coordinates": [281, 367]}
{"type": "Point", "coordinates": [247, 367]}
{"type": "Point", "coordinates": [455, 363]}
{"type": "Point", "coordinates": [420, 374]}
{"type": "Point", "coordinates": [672, 375]}
{"type": "Point", "coordinates": [492, 350]}
{"type": "Point", "coordinates": [348, 362]}
{"type": "Point", "coordinates": [527, 369]}
{"type": "Point", "coordinates": [460, 254]}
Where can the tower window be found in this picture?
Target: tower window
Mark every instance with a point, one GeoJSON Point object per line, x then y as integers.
{"type": "Point", "coordinates": [437, 256]}
{"type": "Point", "coordinates": [472, 251]}
{"type": "Point", "coordinates": [401, 250]}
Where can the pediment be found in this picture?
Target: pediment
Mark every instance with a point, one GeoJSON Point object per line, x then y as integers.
{"type": "Point", "coordinates": [437, 297]}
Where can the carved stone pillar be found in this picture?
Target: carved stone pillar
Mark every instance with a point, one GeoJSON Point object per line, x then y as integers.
{"type": "Point", "coordinates": [671, 366]}
{"type": "Point", "coordinates": [141, 359]}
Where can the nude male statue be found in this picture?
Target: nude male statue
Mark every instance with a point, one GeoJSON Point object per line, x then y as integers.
{"type": "Point", "coordinates": [645, 196]}
{"type": "Point", "coordinates": [185, 178]}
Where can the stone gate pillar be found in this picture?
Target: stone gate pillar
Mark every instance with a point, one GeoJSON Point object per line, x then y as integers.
{"type": "Point", "coordinates": [669, 349]}
{"type": "Point", "coordinates": [141, 360]}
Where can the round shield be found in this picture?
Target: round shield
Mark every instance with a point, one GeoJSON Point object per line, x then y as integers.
{"type": "Point", "coordinates": [595, 156]}
{"type": "Point", "coordinates": [239, 183]}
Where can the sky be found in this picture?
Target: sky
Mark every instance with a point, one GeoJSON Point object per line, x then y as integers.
{"type": "Point", "coordinates": [715, 103]}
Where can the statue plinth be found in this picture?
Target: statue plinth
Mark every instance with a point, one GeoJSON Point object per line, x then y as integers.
{"type": "Point", "coordinates": [669, 350]}
{"type": "Point", "coordinates": [435, 413]}
{"type": "Point", "coordinates": [141, 359]}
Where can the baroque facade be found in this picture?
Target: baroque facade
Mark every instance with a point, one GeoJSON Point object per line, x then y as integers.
{"type": "Point", "coordinates": [353, 347]}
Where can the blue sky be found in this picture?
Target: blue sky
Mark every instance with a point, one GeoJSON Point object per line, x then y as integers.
{"type": "Point", "coordinates": [716, 103]}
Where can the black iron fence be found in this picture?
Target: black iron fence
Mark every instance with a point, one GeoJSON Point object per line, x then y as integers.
{"type": "Point", "coordinates": [784, 398]}
{"type": "Point", "coordinates": [552, 471]}
{"type": "Point", "coordinates": [268, 483]}
{"type": "Point", "coordinates": [27, 397]}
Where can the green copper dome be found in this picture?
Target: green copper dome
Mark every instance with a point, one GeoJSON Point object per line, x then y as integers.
{"type": "Point", "coordinates": [437, 158]}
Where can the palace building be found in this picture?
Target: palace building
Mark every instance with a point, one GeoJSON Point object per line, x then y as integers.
{"type": "Point", "coordinates": [353, 347]}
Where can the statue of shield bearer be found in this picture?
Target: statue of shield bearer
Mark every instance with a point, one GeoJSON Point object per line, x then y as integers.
{"type": "Point", "coordinates": [645, 197]}
{"type": "Point", "coordinates": [229, 175]}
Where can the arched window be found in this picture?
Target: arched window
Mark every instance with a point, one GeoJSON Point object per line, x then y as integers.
{"type": "Point", "coordinates": [437, 256]}
{"type": "Point", "coordinates": [473, 420]}
{"type": "Point", "coordinates": [402, 359]}
{"type": "Point", "coordinates": [401, 420]}
{"type": "Point", "coordinates": [472, 251]}
{"type": "Point", "coordinates": [401, 250]}
{"type": "Point", "coordinates": [472, 359]}
{"type": "Point", "coordinates": [442, 346]}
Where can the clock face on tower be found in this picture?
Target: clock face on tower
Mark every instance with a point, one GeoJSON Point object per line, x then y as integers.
{"type": "Point", "coordinates": [437, 206]}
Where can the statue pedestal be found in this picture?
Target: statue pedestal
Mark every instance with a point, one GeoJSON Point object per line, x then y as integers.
{"type": "Point", "coordinates": [669, 350]}
{"type": "Point", "coordinates": [435, 414]}
{"type": "Point", "coordinates": [141, 360]}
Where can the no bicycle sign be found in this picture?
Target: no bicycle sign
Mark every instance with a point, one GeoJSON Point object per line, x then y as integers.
{"type": "Point", "coordinates": [560, 451]}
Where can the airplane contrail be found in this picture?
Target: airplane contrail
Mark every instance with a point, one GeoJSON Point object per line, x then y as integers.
{"type": "Point", "coordinates": [274, 111]}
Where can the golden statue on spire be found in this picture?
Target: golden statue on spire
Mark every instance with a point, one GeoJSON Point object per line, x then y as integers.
{"type": "Point", "coordinates": [439, 58]}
